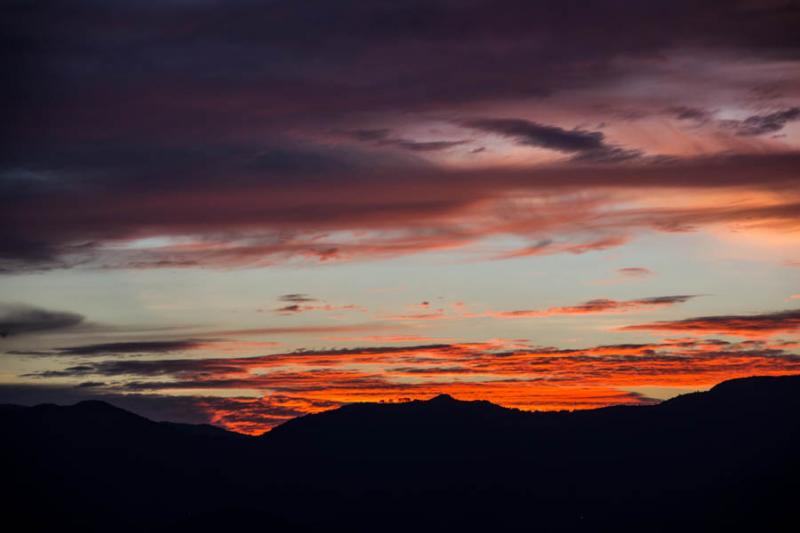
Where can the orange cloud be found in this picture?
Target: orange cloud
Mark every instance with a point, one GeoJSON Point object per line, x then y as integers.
{"type": "Point", "coordinates": [507, 372]}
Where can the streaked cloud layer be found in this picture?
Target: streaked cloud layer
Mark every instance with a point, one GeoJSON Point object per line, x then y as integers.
{"type": "Point", "coordinates": [525, 377]}
{"type": "Point", "coordinates": [331, 149]}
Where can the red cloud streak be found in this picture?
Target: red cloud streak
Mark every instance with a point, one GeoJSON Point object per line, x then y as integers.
{"type": "Point", "coordinates": [533, 378]}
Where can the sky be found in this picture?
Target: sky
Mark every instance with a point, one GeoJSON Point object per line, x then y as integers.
{"type": "Point", "coordinates": [241, 212]}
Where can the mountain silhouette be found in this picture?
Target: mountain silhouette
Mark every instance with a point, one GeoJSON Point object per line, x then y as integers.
{"type": "Point", "coordinates": [722, 460]}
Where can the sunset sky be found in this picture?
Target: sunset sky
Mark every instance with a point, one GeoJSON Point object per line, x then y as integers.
{"type": "Point", "coordinates": [240, 212]}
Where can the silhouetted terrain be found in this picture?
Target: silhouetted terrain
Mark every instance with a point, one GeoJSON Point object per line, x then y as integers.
{"type": "Point", "coordinates": [722, 460]}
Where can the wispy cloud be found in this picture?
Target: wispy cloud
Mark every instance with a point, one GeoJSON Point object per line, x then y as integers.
{"type": "Point", "coordinates": [597, 306]}
{"type": "Point", "coordinates": [634, 272]}
{"type": "Point", "coordinates": [549, 247]}
{"type": "Point", "coordinates": [758, 325]}
{"type": "Point", "coordinates": [124, 348]}
{"type": "Point", "coordinates": [302, 303]}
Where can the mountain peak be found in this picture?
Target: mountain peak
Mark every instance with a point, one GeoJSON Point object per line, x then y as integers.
{"type": "Point", "coordinates": [443, 398]}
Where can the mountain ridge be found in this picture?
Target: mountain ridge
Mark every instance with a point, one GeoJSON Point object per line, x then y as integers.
{"type": "Point", "coordinates": [721, 459]}
{"type": "Point", "coordinates": [751, 384]}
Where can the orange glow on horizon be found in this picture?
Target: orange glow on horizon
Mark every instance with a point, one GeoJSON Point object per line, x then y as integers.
{"type": "Point", "coordinates": [540, 379]}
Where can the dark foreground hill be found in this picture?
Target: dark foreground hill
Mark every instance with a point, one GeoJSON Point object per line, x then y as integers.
{"type": "Point", "coordinates": [724, 460]}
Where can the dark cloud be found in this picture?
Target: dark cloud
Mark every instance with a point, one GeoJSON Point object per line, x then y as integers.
{"type": "Point", "coordinates": [542, 135]}
{"type": "Point", "coordinates": [758, 325]}
{"type": "Point", "coordinates": [289, 309]}
{"type": "Point", "coordinates": [70, 371]}
{"type": "Point", "coordinates": [18, 319]}
{"type": "Point", "coordinates": [655, 300]}
{"type": "Point", "coordinates": [213, 121]}
{"type": "Point", "coordinates": [427, 146]}
{"type": "Point", "coordinates": [206, 368]}
{"type": "Point", "coordinates": [763, 124]}
{"type": "Point", "coordinates": [127, 348]}
{"type": "Point", "coordinates": [350, 56]}
{"type": "Point", "coordinates": [583, 144]}
{"type": "Point", "coordinates": [91, 384]}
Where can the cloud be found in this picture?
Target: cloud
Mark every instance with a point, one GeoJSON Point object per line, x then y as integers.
{"type": "Point", "coordinates": [291, 309]}
{"type": "Point", "coordinates": [369, 210]}
{"type": "Point", "coordinates": [125, 348]}
{"type": "Point", "coordinates": [597, 306]}
{"type": "Point", "coordinates": [760, 325]}
{"type": "Point", "coordinates": [302, 303]}
{"type": "Point", "coordinates": [510, 373]}
{"type": "Point", "coordinates": [18, 319]}
{"type": "Point", "coordinates": [549, 247]}
{"type": "Point", "coordinates": [627, 274]}
{"type": "Point", "coordinates": [634, 272]}
{"type": "Point", "coordinates": [763, 124]}
{"type": "Point", "coordinates": [410, 65]}
{"type": "Point", "coordinates": [280, 185]}
{"type": "Point", "coordinates": [583, 144]}
{"type": "Point", "coordinates": [91, 384]}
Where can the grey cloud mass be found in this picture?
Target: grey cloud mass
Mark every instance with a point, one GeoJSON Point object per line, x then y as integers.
{"type": "Point", "coordinates": [19, 319]}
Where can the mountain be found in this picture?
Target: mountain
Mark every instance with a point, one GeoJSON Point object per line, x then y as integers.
{"type": "Point", "coordinates": [725, 459]}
